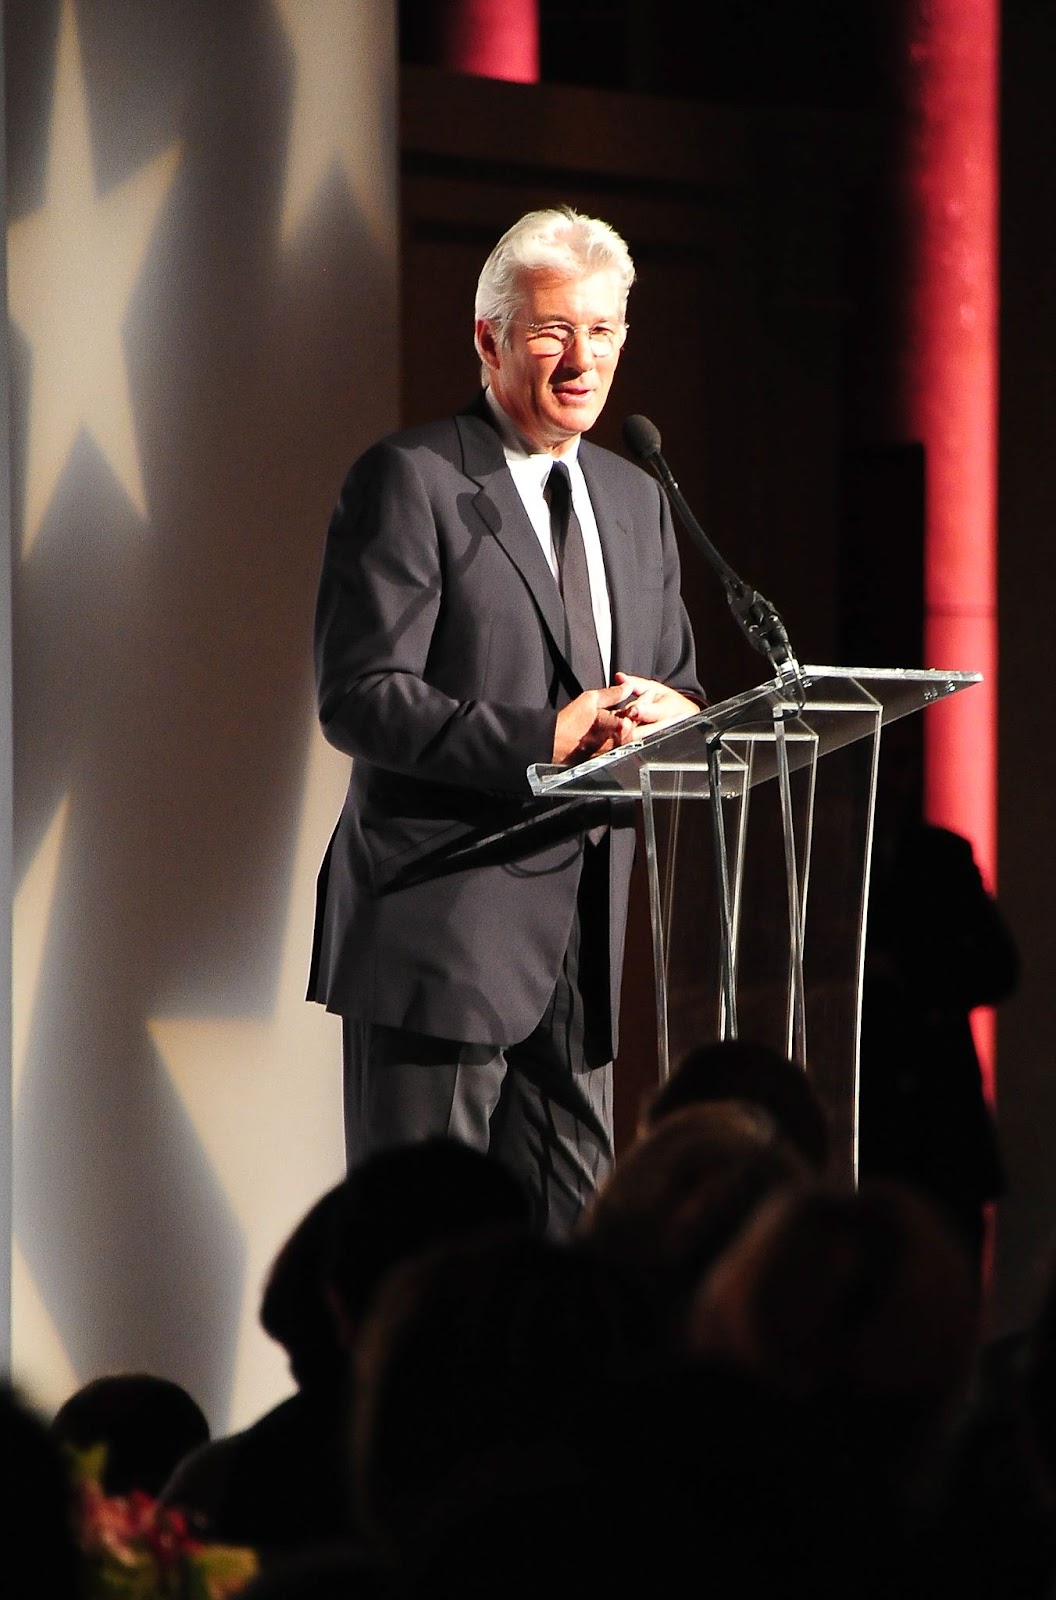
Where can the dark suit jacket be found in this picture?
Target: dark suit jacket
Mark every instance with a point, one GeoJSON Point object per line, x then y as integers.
{"type": "Point", "coordinates": [447, 893]}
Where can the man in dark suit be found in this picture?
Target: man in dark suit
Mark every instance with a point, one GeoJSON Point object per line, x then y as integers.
{"type": "Point", "coordinates": [469, 626]}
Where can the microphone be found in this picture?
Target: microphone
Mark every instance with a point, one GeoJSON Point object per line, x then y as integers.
{"type": "Point", "coordinates": [756, 617]}
{"type": "Point", "coordinates": [642, 438]}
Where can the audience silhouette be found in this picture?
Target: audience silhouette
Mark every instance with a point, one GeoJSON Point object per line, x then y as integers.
{"type": "Point", "coordinates": [861, 1301]}
{"type": "Point", "coordinates": [37, 1510]}
{"type": "Point", "coordinates": [146, 1423]}
{"type": "Point", "coordinates": [938, 947]}
{"type": "Point", "coordinates": [681, 1192]}
{"type": "Point", "coordinates": [282, 1485]}
{"type": "Point", "coordinates": [277, 1484]}
{"type": "Point", "coordinates": [483, 1368]}
{"type": "Point", "coordinates": [739, 1370]}
{"type": "Point", "coordinates": [754, 1073]}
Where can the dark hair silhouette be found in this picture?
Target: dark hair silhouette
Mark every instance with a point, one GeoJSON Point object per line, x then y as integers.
{"type": "Point", "coordinates": [401, 1200]}
{"type": "Point", "coordinates": [294, 1308]}
{"type": "Point", "coordinates": [741, 1069]}
{"type": "Point", "coordinates": [862, 1301]}
{"type": "Point", "coordinates": [678, 1195]}
{"type": "Point", "coordinates": [147, 1424]}
{"type": "Point", "coordinates": [482, 1368]}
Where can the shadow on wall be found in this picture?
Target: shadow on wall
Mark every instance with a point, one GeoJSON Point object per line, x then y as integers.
{"type": "Point", "coordinates": [162, 657]}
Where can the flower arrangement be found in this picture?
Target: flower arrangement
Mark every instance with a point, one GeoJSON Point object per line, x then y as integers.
{"type": "Point", "coordinates": [135, 1549]}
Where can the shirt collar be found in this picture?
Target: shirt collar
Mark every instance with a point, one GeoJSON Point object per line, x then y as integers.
{"type": "Point", "coordinates": [518, 448]}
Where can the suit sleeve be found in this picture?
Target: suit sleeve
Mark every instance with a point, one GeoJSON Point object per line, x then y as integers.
{"type": "Point", "coordinates": [380, 594]}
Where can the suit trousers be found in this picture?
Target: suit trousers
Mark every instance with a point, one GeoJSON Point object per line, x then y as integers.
{"type": "Point", "coordinates": [542, 1106]}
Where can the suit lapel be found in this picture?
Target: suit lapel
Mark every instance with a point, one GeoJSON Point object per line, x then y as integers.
{"type": "Point", "coordinates": [501, 509]}
{"type": "Point", "coordinates": [616, 532]}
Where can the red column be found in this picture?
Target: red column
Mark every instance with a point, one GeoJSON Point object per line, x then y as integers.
{"type": "Point", "coordinates": [491, 38]}
{"type": "Point", "coordinates": [946, 385]}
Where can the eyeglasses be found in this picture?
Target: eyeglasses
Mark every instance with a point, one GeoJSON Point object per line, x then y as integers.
{"type": "Point", "coordinates": [552, 338]}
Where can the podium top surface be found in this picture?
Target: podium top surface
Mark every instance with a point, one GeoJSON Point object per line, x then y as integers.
{"type": "Point", "coordinates": [825, 708]}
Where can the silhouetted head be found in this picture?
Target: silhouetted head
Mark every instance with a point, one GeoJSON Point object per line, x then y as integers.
{"type": "Point", "coordinates": [860, 1301]}
{"type": "Point", "coordinates": [740, 1069]}
{"type": "Point", "coordinates": [400, 1201]}
{"type": "Point", "coordinates": [482, 1368]}
{"type": "Point", "coordinates": [678, 1195]}
{"type": "Point", "coordinates": [295, 1309]}
{"type": "Point", "coordinates": [147, 1424]}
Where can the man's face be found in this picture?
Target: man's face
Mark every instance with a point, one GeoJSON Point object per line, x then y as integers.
{"type": "Point", "coordinates": [553, 393]}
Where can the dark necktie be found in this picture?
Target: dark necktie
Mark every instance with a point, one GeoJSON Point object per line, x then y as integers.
{"type": "Point", "coordinates": [574, 581]}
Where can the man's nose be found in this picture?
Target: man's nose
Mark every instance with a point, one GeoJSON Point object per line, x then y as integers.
{"type": "Point", "coordinates": [578, 352]}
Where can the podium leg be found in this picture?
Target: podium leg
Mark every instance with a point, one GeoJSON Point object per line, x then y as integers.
{"type": "Point", "coordinates": [657, 920]}
{"type": "Point", "coordinates": [796, 1026]}
{"type": "Point", "coordinates": [728, 1018]}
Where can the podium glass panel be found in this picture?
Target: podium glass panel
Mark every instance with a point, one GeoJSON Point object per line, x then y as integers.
{"type": "Point", "coordinates": [758, 818]}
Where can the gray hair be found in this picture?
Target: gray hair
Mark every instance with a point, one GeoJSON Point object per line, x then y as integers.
{"type": "Point", "coordinates": [558, 240]}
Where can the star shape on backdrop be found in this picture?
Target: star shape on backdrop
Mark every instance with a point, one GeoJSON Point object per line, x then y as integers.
{"type": "Point", "coordinates": [46, 1375]}
{"type": "Point", "coordinates": [30, 919]}
{"type": "Point", "coordinates": [331, 41]}
{"type": "Point", "coordinates": [44, 1360]}
{"type": "Point", "coordinates": [233, 1076]}
{"type": "Point", "coordinates": [72, 269]}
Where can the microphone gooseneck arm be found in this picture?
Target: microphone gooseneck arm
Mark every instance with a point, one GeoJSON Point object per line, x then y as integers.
{"type": "Point", "coordinates": [756, 617]}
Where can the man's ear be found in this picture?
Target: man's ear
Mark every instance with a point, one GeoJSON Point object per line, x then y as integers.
{"type": "Point", "coordinates": [486, 342]}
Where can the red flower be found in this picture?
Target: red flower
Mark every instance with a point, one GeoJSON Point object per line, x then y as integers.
{"type": "Point", "coordinates": [137, 1549]}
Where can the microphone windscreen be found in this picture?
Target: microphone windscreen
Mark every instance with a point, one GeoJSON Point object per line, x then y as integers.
{"type": "Point", "coordinates": [641, 437]}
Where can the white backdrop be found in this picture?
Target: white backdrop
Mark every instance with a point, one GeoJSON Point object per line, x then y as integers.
{"type": "Point", "coordinates": [202, 294]}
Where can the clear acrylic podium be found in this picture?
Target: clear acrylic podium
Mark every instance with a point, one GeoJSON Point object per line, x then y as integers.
{"type": "Point", "coordinates": [758, 897]}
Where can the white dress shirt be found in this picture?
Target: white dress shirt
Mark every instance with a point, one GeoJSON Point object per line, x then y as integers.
{"type": "Point", "coordinates": [530, 469]}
